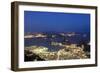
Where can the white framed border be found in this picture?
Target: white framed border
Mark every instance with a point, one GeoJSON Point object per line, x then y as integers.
{"type": "Point", "coordinates": [23, 64]}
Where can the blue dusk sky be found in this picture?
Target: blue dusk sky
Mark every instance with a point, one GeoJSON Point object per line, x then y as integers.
{"type": "Point", "coordinates": [35, 21]}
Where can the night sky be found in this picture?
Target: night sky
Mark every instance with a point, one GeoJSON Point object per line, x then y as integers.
{"type": "Point", "coordinates": [56, 22]}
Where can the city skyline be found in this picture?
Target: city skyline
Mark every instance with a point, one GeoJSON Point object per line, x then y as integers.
{"type": "Point", "coordinates": [67, 36]}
